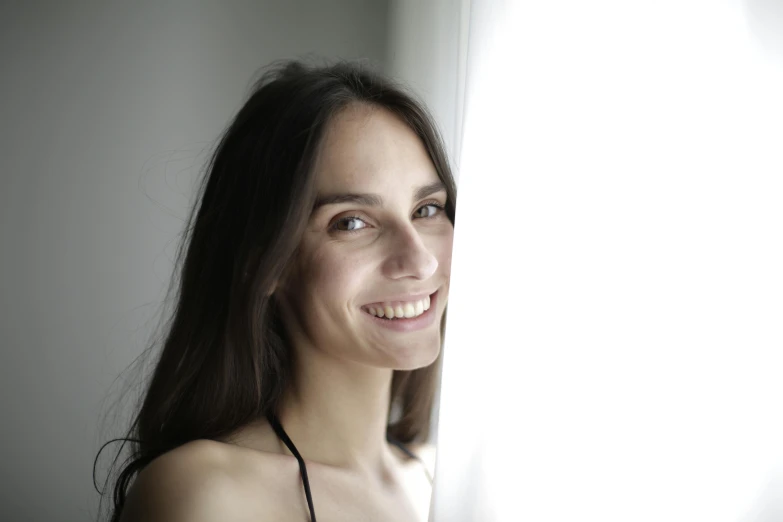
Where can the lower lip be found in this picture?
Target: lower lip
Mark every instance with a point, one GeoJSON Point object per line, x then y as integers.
{"type": "Point", "coordinates": [408, 325]}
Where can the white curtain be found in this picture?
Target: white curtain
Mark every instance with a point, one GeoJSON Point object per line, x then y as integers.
{"type": "Point", "coordinates": [614, 348]}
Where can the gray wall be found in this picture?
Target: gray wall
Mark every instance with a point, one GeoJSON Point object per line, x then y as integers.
{"type": "Point", "coordinates": [108, 113]}
{"type": "Point", "coordinates": [428, 50]}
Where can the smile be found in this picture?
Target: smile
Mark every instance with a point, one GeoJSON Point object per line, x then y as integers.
{"type": "Point", "coordinates": [403, 316]}
{"type": "Point", "coordinates": [399, 309]}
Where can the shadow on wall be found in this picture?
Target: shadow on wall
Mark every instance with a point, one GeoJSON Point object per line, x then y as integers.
{"type": "Point", "coordinates": [765, 20]}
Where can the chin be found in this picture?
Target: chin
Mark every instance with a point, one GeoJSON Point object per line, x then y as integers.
{"type": "Point", "coordinates": [411, 367]}
{"type": "Point", "coordinates": [415, 360]}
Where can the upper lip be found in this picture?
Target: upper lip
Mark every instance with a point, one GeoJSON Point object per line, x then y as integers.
{"type": "Point", "coordinates": [403, 297]}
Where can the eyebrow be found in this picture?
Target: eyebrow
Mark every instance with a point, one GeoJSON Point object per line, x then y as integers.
{"type": "Point", "coordinates": [374, 200]}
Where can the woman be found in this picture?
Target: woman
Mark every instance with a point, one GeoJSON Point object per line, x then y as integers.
{"type": "Point", "coordinates": [299, 370]}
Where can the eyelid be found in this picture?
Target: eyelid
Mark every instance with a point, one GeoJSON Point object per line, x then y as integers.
{"type": "Point", "coordinates": [333, 226]}
{"type": "Point", "coordinates": [434, 203]}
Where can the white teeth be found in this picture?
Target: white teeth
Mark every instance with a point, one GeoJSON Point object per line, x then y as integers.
{"type": "Point", "coordinates": [401, 310]}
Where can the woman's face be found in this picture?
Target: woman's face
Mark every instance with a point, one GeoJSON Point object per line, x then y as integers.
{"type": "Point", "coordinates": [378, 242]}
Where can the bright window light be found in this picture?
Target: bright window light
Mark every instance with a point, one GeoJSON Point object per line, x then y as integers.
{"type": "Point", "coordinates": [614, 347]}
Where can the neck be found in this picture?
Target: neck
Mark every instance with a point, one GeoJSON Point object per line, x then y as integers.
{"type": "Point", "coordinates": [336, 413]}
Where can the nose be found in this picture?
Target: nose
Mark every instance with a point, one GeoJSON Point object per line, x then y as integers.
{"type": "Point", "coordinates": [409, 256]}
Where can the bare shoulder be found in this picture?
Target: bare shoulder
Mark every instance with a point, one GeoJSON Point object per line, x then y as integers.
{"type": "Point", "coordinates": [186, 483]}
{"type": "Point", "coordinates": [194, 482]}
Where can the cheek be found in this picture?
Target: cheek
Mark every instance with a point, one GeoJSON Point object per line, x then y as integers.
{"type": "Point", "coordinates": [444, 249]}
{"type": "Point", "coordinates": [334, 277]}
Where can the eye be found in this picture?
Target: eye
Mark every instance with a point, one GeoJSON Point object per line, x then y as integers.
{"type": "Point", "coordinates": [430, 210]}
{"type": "Point", "coordinates": [349, 224]}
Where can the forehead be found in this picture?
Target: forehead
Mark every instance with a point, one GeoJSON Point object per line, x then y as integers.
{"type": "Point", "coordinates": [371, 149]}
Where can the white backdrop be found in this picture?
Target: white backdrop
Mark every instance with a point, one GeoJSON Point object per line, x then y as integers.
{"type": "Point", "coordinates": [614, 343]}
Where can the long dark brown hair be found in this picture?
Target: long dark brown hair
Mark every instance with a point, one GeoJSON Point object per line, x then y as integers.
{"type": "Point", "coordinates": [225, 360]}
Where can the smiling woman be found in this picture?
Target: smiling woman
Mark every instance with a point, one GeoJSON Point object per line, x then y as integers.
{"type": "Point", "coordinates": [302, 359]}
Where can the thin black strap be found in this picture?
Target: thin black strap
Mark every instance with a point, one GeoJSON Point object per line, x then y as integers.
{"type": "Point", "coordinates": [402, 447]}
{"type": "Point", "coordinates": [409, 453]}
{"type": "Point", "coordinates": [302, 468]}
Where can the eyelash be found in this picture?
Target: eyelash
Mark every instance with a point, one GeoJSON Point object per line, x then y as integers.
{"type": "Point", "coordinates": [334, 228]}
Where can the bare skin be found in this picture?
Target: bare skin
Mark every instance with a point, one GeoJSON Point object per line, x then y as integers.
{"type": "Point", "coordinates": [253, 477]}
{"type": "Point", "coordinates": [338, 493]}
{"type": "Point", "coordinates": [336, 410]}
